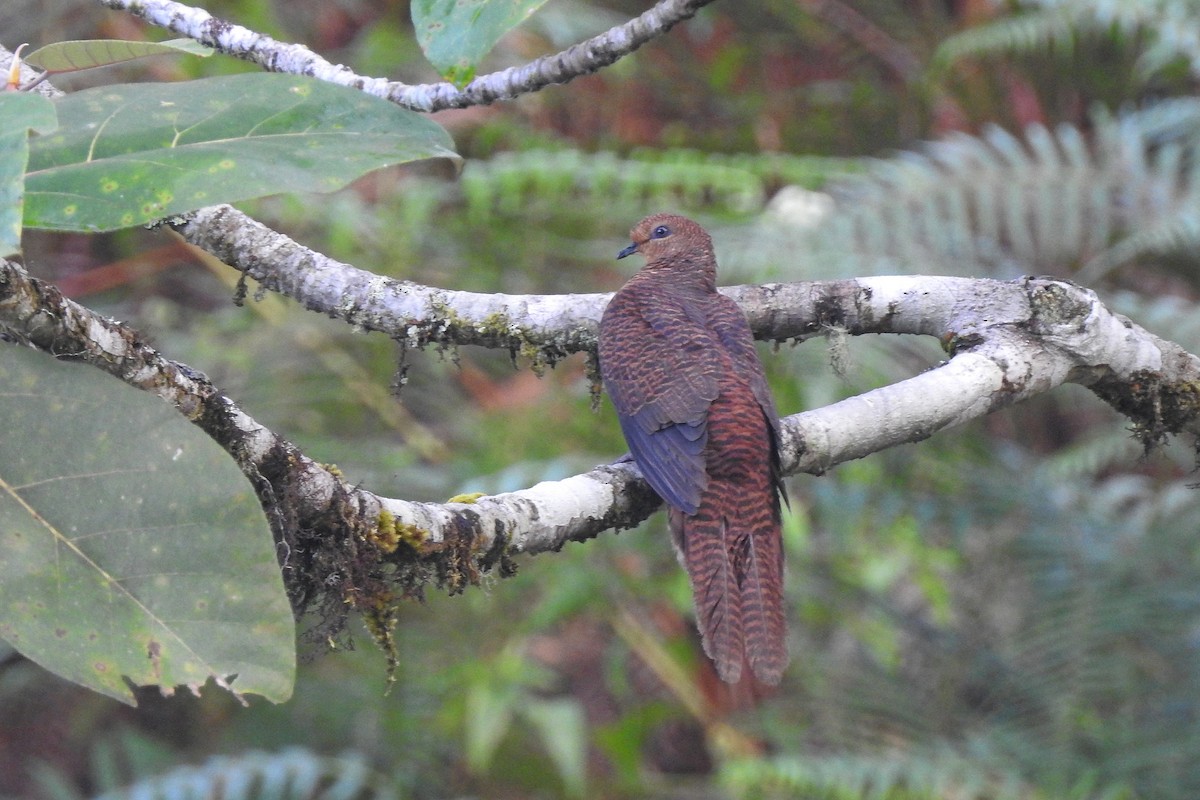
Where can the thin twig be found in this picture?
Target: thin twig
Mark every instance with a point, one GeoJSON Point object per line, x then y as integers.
{"type": "Point", "coordinates": [581, 59]}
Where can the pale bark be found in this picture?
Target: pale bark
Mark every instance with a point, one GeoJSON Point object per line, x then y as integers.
{"type": "Point", "coordinates": [275, 56]}
{"type": "Point", "coordinates": [1012, 341]}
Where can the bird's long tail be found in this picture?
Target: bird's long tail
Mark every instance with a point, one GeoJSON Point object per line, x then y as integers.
{"type": "Point", "coordinates": [732, 550]}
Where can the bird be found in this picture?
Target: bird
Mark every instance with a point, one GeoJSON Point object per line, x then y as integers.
{"type": "Point", "coordinates": [678, 361]}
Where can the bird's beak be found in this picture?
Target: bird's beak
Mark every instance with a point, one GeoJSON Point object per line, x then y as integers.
{"type": "Point", "coordinates": [628, 251]}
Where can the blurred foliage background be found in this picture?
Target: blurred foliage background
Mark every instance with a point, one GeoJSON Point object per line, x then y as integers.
{"type": "Point", "coordinates": [1007, 610]}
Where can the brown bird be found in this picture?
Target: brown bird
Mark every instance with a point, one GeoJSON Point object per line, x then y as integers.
{"type": "Point", "coordinates": [679, 363]}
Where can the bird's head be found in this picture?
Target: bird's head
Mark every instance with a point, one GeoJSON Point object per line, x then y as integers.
{"type": "Point", "coordinates": [670, 239]}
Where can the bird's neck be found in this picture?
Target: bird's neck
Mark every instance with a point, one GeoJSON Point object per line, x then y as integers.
{"type": "Point", "coordinates": [698, 273]}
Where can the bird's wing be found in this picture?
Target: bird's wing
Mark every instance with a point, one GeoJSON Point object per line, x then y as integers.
{"type": "Point", "coordinates": [661, 369]}
{"type": "Point", "coordinates": [733, 331]}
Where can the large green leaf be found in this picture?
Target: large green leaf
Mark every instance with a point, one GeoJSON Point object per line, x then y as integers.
{"type": "Point", "coordinates": [457, 34]}
{"type": "Point", "coordinates": [131, 546]}
{"type": "Point", "coordinates": [131, 154]}
{"type": "Point", "coordinates": [19, 111]}
{"type": "Point", "coordinates": [84, 54]}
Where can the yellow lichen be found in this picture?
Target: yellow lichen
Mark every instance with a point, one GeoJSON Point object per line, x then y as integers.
{"type": "Point", "coordinates": [411, 535]}
{"type": "Point", "coordinates": [470, 497]}
{"type": "Point", "coordinates": [389, 533]}
{"type": "Point", "coordinates": [380, 615]}
{"type": "Point", "coordinates": [384, 534]}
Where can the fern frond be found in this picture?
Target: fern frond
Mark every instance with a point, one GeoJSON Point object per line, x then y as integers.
{"type": "Point", "coordinates": [738, 183]}
{"type": "Point", "coordinates": [1053, 201]}
{"type": "Point", "coordinates": [293, 773]}
{"type": "Point", "coordinates": [1169, 26]}
{"type": "Point", "coordinates": [1070, 667]}
{"type": "Point", "coordinates": [916, 775]}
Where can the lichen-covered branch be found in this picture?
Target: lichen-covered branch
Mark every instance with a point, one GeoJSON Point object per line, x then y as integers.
{"type": "Point", "coordinates": [1023, 322]}
{"type": "Point", "coordinates": [545, 328]}
{"type": "Point", "coordinates": [581, 59]}
{"type": "Point", "coordinates": [1011, 341]}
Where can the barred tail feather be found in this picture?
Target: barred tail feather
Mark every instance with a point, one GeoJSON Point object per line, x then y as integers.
{"type": "Point", "coordinates": [701, 540]}
{"type": "Point", "coordinates": [762, 605]}
{"type": "Point", "coordinates": [731, 548]}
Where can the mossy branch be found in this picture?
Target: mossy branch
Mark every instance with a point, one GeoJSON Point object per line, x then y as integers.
{"type": "Point", "coordinates": [345, 544]}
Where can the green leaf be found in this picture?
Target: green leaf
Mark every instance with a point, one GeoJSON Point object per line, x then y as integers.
{"type": "Point", "coordinates": [623, 740]}
{"type": "Point", "coordinates": [563, 731]}
{"type": "Point", "coordinates": [131, 546]}
{"type": "Point", "coordinates": [19, 111]}
{"type": "Point", "coordinates": [132, 154]}
{"type": "Point", "coordinates": [90, 53]}
{"type": "Point", "coordinates": [457, 34]}
{"type": "Point", "coordinates": [489, 715]}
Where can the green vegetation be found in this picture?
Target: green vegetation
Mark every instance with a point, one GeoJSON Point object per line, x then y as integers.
{"type": "Point", "coordinates": [1005, 610]}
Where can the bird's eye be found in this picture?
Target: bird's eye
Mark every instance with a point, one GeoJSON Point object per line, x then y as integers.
{"type": "Point", "coordinates": [661, 232]}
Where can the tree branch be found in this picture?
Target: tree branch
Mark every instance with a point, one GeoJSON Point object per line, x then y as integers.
{"type": "Point", "coordinates": [581, 59]}
{"type": "Point", "coordinates": [1011, 340]}
{"type": "Point", "coordinates": [1008, 337]}
{"type": "Point", "coordinates": [545, 328]}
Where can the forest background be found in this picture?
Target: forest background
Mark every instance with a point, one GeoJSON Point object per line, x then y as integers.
{"type": "Point", "coordinates": [1006, 609]}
